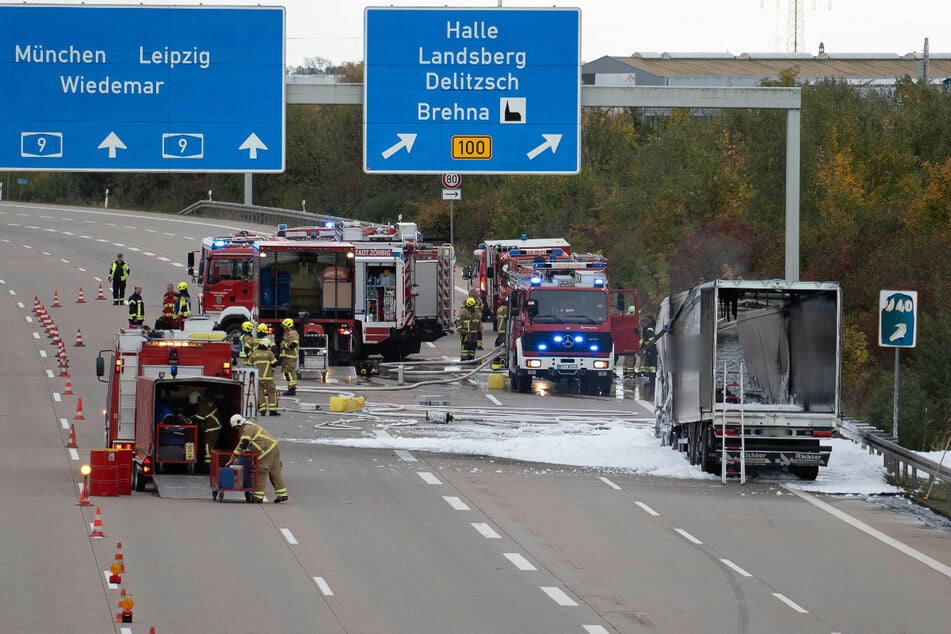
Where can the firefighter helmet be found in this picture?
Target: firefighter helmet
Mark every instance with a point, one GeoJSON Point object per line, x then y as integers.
{"type": "Point", "coordinates": [262, 329]}
{"type": "Point", "coordinates": [237, 420]}
{"type": "Point", "coordinates": [265, 343]}
{"type": "Point", "coordinates": [182, 286]}
{"type": "Point", "coordinates": [194, 396]}
{"type": "Point", "coordinates": [470, 302]}
{"type": "Point", "coordinates": [247, 326]}
{"type": "Point", "coordinates": [288, 323]}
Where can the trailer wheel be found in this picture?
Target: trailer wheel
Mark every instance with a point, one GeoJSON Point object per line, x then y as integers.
{"type": "Point", "coordinates": [707, 444]}
{"type": "Point", "coordinates": [805, 473]}
{"type": "Point", "coordinates": [693, 444]}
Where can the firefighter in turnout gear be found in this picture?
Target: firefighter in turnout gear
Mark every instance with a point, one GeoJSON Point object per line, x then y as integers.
{"type": "Point", "coordinates": [501, 319]}
{"type": "Point", "coordinates": [206, 417]}
{"type": "Point", "coordinates": [183, 308]}
{"type": "Point", "coordinates": [252, 438]}
{"type": "Point", "coordinates": [261, 334]}
{"type": "Point", "coordinates": [479, 309]}
{"type": "Point", "coordinates": [247, 341]}
{"type": "Point", "coordinates": [136, 308]}
{"type": "Point", "coordinates": [290, 347]}
{"type": "Point", "coordinates": [264, 360]}
{"type": "Point", "coordinates": [119, 275]}
{"type": "Point", "coordinates": [167, 320]}
{"type": "Point", "coordinates": [469, 324]}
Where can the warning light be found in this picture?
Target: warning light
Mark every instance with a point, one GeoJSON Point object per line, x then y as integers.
{"type": "Point", "coordinates": [85, 470]}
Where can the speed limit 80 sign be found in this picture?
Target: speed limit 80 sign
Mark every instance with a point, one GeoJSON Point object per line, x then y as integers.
{"type": "Point", "coordinates": [451, 180]}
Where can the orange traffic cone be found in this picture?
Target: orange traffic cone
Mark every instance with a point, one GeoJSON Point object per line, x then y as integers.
{"type": "Point", "coordinates": [79, 338]}
{"type": "Point", "coordinates": [126, 604]}
{"type": "Point", "coordinates": [69, 386]}
{"type": "Point", "coordinates": [79, 410]}
{"type": "Point", "coordinates": [97, 526]}
{"type": "Point", "coordinates": [56, 303]}
{"type": "Point", "coordinates": [55, 336]}
{"type": "Point", "coordinates": [72, 437]}
{"type": "Point", "coordinates": [100, 295]}
{"type": "Point", "coordinates": [36, 305]}
{"type": "Point", "coordinates": [84, 496]}
{"type": "Point", "coordinates": [81, 300]}
{"type": "Point", "coordinates": [119, 558]}
{"type": "Point", "coordinates": [63, 365]}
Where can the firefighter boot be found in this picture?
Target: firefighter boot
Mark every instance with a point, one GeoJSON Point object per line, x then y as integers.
{"type": "Point", "coordinates": [291, 391]}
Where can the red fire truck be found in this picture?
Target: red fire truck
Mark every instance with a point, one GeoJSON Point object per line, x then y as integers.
{"type": "Point", "coordinates": [491, 262]}
{"type": "Point", "coordinates": [563, 324]}
{"type": "Point", "coordinates": [150, 375]}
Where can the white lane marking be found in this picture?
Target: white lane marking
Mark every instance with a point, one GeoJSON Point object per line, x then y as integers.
{"type": "Point", "coordinates": [494, 400]}
{"type": "Point", "coordinates": [456, 503]}
{"type": "Point", "coordinates": [49, 373]}
{"type": "Point", "coordinates": [20, 305]}
{"type": "Point", "coordinates": [36, 335]}
{"type": "Point", "coordinates": [101, 240]}
{"type": "Point", "coordinates": [381, 433]}
{"type": "Point", "coordinates": [485, 530]}
{"type": "Point", "coordinates": [26, 246]}
{"type": "Point", "coordinates": [428, 478]}
{"type": "Point", "coordinates": [162, 258]}
{"type": "Point", "coordinates": [134, 249]}
{"type": "Point", "coordinates": [113, 586]}
{"type": "Point", "coordinates": [82, 269]}
{"type": "Point", "coordinates": [74, 454]}
{"type": "Point", "coordinates": [57, 397]}
{"type": "Point", "coordinates": [64, 423]}
{"type": "Point", "coordinates": [520, 562]}
{"type": "Point", "coordinates": [110, 224]}
{"type": "Point", "coordinates": [29, 319]}
{"type": "Point", "coordinates": [558, 596]}
{"type": "Point", "coordinates": [150, 230]}
{"type": "Point", "coordinates": [405, 456]}
{"type": "Point", "coordinates": [178, 264]}
{"type": "Point", "coordinates": [64, 261]}
{"type": "Point", "coordinates": [868, 530]}
{"type": "Point", "coordinates": [148, 253]}
{"type": "Point", "coordinates": [609, 483]}
{"type": "Point", "coordinates": [324, 587]}
{"type": "Point", "coordinates": [737, 569]}
{"type": "Point", "coordinates": [288, 535]}
{"type": "Point", "coordinates": [687, 536]}
{"type": "Point", "coordinates": [98, 279]}
{"type": "Point", "coordinates": [12, 292]}
{"type": "Point", "coordinates": [42, 352]}
{"type": "Point", "coordinates": [459, 289]}
{"type": "Point", "coordinates": [646, 508]}
{"type": "Point", "coordinates": [594, 629]}
{"type": "Point", "coordinates": [430, 344]}
{"type": "Point", "coordinates": [795, 606]}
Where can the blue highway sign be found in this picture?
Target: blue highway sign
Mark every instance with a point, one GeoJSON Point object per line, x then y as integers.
{"type": "Point", "coordinates": [142, 88]}
{"type": "Point", "coordinates": [481, 91]}
{"type": "Point", "coordinates": [897, 319]}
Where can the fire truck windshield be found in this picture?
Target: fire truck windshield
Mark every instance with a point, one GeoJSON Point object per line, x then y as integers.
{"type": "Point", "coordinates": [573, 306]}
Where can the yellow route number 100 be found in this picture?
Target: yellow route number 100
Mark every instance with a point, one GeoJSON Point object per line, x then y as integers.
{"type": "Point", "coordinates": [472, 147]}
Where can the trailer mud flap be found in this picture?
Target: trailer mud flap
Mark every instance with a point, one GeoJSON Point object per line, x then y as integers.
{"type": "Point", "coordinates": [782, 458]}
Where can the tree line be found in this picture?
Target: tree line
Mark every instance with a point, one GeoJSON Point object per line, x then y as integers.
{"type": "Point", "coordinates": [672, 200]}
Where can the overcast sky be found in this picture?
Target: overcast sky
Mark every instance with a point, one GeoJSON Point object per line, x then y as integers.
{"type": "Point", "coordinates": [333, 29]}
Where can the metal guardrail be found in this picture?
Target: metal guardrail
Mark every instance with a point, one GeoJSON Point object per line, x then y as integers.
{"type": "Point", "coordinates": [252, 213]}
{"type": "Point", "coordinates": [901, 463]}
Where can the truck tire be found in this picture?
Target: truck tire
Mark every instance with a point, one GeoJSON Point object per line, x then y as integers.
{"type": "Point", "coordinates": [138, 480]}
{"type": "Point", "coordinates": [523, 382]}
{"type": "Point", "coordinates": [805, 473]}
{"type": "Point", "coordinates": [693, 444]}
{"type": "Point", "coordinates": [707, 447]}
{"type": "Point", "coordinates": [604, 385]}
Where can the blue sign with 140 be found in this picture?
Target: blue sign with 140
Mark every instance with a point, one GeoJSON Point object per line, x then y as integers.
{"type": "Point", "coordinates": [472, 90]}
{"type": "Point", "coordinates": [184, 89]}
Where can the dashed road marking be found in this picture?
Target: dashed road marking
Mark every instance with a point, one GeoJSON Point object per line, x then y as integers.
{"type": "Point", "coordinates": [289, 536]}
{"type": "Point", "coordinates": [646, 508]}
{"type": "Point", "coordinates": [485, 530]}
{"type": "Point", "coordinates": [795, 606]}
{"type": "Point", "coordinates": [405, 455]}
{"type": "Point", "coordinates": [609, 483]}
{"type": "Point", "coordinates": [428, 478]}
{"type": "Point", "coordinates": [456, 503]}
{"type": "Point", "coordinates": [324, 587]}
{"type": "Point", "coordinates": [64, 423]}
{"type": "Point", "coordinates": [520, 562]}
{"type": "Point", "coordinates": [594, 629]}
{"type": "Point", "coordinates": [493, 399]}
{"type": "Point", "coordinates": [73, 454]}
{"type": "Point", "coordinates": [558, 596]}
{"type": "Point", "coordinates": [734, 567]}
{"type": "Point", "coordinates": [688, 536]}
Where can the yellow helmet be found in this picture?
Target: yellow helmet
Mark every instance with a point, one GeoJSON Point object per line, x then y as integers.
{"type": "Point", "coordinates": [247, 326]}
{"type": "Point", "coordinates": [262, 329]}
{"type": "Point", "coordinates": [470, 302]}
{"type": "Point", "coordinates": [182, 286]}
{"type": "Point", "coordinates": [288, 323]}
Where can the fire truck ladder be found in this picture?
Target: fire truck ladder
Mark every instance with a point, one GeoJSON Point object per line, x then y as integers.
{"type": "Point", "coordinates": [733, 415]}
{"type": "Point", "coordinates": [445, 285]}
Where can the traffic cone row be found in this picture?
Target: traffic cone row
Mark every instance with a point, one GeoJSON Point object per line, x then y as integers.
{"type": "Point", "coordinates": [81, 300]}
{"type": "Point", "coordinates": [69, 386]}
{"type": "Point", "coordinates": [126, 603]}
{"type": "Point", "coordinates": [63, 365]}
{"type": "Point", "coordinates": [72, 437]}
{"type": "Point", "coordinates": [79, 410]}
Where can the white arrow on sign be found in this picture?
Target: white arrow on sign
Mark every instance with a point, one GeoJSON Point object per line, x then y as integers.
{"type": "Point", "coordinates": [452, 194]}
{"type": "Point", "coordinates": [406, 140]}
{"type": "Point", "coordinates": [900, 331]}
{"type": "Point", "coordinates": [551, 141]}
{"type": "Point", "coordinates": [252, 143]}
{"type": "Point", "coordinates": [112, 143]}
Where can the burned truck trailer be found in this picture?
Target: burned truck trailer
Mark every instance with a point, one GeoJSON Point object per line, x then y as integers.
{"type": "Point", "coordinates": [748, 374]}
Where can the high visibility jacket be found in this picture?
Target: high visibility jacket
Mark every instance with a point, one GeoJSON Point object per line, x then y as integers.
{"type": "Point", "coordinates": [247, 346]}
{"type": "Point", "coordinates": [168, 305]}
{"type": "Point", "coordinates": [264, 361]}
{"type": "Point", "coordinates": [289, 343]}
{"type": "Point", "coordinates": [253, 437]}
{"type": "Point", "coordinates": [207, 416]}
{"type": "Point", "coordinates": [182, 307]}
{"type": "Point", "coordinates": [468, 322]}
{"type": "Point", "coordinates": [501, 317]}
{"type": "Point", "coordinates": [123, 271]}
{"type": "Point", "coordinates": [136, 308]}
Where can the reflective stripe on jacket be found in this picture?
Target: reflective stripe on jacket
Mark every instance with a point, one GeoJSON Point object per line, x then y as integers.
{"type": "Point", "coordinates": [254, 438]}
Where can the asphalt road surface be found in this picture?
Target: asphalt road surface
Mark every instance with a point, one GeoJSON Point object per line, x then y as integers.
{"type": "Point", "coordinates": [375, 540]}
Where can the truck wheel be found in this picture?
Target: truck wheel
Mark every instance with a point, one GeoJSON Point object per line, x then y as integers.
{"type": "Point", "coordinates": [605, 384]}
{"type": "Point", "coordinates": [138, 482]}
{"type": "Point", "coordinates": [523, 383]}
{"type": "Point", "coordinates": [707, 444]}
{"type": "Point", "coordinates": [693, 444]}
{"type": "Point", "coordinates": [805, 473]}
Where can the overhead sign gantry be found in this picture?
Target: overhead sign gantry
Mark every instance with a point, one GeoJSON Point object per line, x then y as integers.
{"type": "Point", "coordinates": [142, 88]}
{"type": "Point", "coordinates": [472, 90]}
